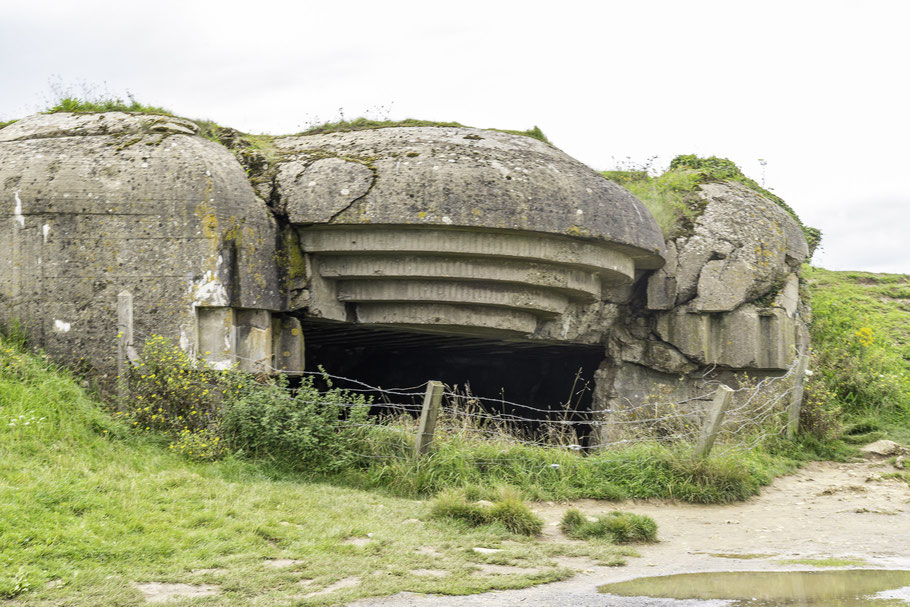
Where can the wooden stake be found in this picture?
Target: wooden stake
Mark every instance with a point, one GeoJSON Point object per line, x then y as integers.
{"type": "Point", "coordinates": [796, 401]}
{"type": "Point", "coordinates": [124, 340]}
{"type": "Point", "coordinates": [711, 427]}
{"type": "Point", "coordinates": [428, 414]}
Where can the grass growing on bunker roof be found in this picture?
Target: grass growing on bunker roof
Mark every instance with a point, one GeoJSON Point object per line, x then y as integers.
{"type": "Point", "coordinates": [669, 196]}
{"type": "Point", "coordinates": [366, 124]}
{"type": "Point", "coordinates": [103, 103]}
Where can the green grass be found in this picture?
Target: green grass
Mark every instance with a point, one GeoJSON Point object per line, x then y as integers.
{"type": "Point", "coordinates": [669, 196]}
{"type": "Point", "coordinates": [861, 342]}
{"type": "Point", "coordinates": [639, 471]}
{"type": "Point", "coordinates": [4, 124]}
{"type": "Point", "coordinates": [366, 124]}
{"type": "Point", "coordinates": [508, 511]}
{"type": "Point", "coordinates": [99, 104]}
{"type": "Point", "coordinates": [616, 527]}
{"type": "Point", "coordinates": [88, 507]}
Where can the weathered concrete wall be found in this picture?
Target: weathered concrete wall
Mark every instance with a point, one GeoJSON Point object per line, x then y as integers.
{"type": "Point", "coordinates": [97, 204]}
{"type": "Point", "coordinates": [726, 301]}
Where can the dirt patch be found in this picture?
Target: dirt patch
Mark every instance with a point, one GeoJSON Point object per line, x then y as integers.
{"type": "Point", "coordinates": [348, 582]}
{"type": "Point", "coordinates": [853, 488]}
{"type": "Point", "coordinates": [427, 551]}
{"type": "Point", "coordinates": [430, 572]}
{"type": "Point", "coordinates": [159, 592]}
{"type": "Point", "coordinates": [490, 569]}
{"type": "Point", "coordinates": [795, 518]}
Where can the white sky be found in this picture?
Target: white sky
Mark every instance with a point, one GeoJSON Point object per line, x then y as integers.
{"type": "Point", "coordinates": [819, 89]}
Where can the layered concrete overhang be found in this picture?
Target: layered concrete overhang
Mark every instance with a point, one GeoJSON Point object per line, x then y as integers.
{"type": "Point", "coordinates": [460, 280]}
{"type": "Point", "coordinates": [458, 230]}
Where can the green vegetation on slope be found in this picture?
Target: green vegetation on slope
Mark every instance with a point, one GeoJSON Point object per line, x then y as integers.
{"type": "Point", "coordinates": [669, 196]}
{"type": "Point", "coordinates": [88, 507]}
{"type": "Point", "coordinates": [861, 349]}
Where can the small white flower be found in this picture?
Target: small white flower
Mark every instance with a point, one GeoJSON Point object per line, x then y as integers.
{"type": "Point", "coordinates": [554, 466]}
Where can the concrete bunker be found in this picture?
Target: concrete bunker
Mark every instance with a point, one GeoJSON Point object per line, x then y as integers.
{"type": "Point", "coordinates": [455, 250]}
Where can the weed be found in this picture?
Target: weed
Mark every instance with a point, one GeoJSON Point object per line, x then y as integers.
{"type": "Point", "coordinates": [617, 527]}
{"type": "Point", "coordinates": [311, 429]}
{"type": "Point", "coordinates": [366, 124]}
{"type": "Point", "coordinates": [508, 511]}
{"type": "Point", "coordinates": [96, 105]}
{"type": "Point", "coordinates": [533, 132]}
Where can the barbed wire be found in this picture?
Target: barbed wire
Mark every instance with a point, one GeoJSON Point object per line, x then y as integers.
{"type": "Point", "coordinates": [756, 414]}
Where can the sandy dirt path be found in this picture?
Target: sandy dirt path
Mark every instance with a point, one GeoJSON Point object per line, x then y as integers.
{"type": "Point", "coordinates": [825, 510]}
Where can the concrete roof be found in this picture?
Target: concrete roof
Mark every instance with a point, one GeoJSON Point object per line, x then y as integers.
{"type": "Point", "coordinates": [460, 177]}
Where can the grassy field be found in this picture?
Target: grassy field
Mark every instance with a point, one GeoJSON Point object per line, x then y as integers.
{"type": "Point", "coordinates": [88, 508]}
{"type": "Point", "coordinates": [861, 350]}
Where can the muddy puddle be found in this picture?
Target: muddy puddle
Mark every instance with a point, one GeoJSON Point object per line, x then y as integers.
{"type": "Point", "coordinates": [850, 588]}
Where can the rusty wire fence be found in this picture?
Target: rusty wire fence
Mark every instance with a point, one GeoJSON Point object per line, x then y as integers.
{"type": "Point", "coordinates": [404, 422]}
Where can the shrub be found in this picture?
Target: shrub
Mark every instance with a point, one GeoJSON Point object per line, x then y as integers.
{"type": "Point", "coordinates": [171, 391]}
{"type": "Point", "coordinates": [617, 527]}
{"type": "Point", "coordinates": [208, 412]}
{"type": "Point", "coordinates": [304, 428]}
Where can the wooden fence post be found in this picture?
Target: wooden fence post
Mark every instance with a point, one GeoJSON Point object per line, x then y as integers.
{"type": "Point", "coordinates": [796, 401]}
{"type": "Point", "coordinates": [124, 341]}
{"type": "Point", "coordinates": [428, 414]}
{"type": "Point", "coordinates": [711, 427]}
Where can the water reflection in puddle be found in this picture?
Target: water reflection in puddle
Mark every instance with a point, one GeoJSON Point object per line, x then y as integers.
{"type": "Point", "coordinates": [853, 588]}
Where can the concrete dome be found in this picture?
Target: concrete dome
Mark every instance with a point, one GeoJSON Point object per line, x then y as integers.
{"type": "Point", "coordinates": [447, 176]}
{"type": "Point", "coordinates": [459, 229]}
{"type": "Point", "coordinates": [95, 204]}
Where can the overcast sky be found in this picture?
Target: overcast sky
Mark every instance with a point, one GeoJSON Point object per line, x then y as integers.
{"type": "Point", "coordinates": [818, 89]}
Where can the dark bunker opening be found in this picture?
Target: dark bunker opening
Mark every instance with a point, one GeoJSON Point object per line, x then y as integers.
{"type": "Point", "coordinates": [532, 381]}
